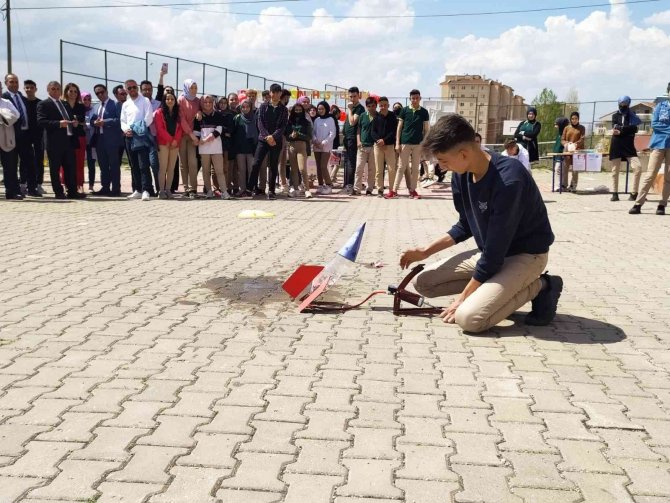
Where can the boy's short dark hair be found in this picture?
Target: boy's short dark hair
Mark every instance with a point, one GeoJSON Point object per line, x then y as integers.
{"type": "Point", "coordinates": [510, 143]}
{"type": "Point", "coordinates": [146, 82]}
{"type": "Point", "coordinates": [448, 131]}
{"type": "Point", "coordinates": [414, 92]}
{"type": "Point", "coordinates": [117, 89]}
{"type": "Point", "coordinates": [266, 93]}
{"type": "Point", "coordinates": [477, 135]}
{"type": "Point", "coordinates": [275, 88]}
{"type": "Point", "coordinates": [370, 100]}
{"type": "Point", "coordinates": [574, 114]}
{"type": "Point", "coordinates": [284, 93]}
{"type": "Point", "coordinates": [383, 98]}
{"type": "Point", "coordinates": [29, 82]}
{"type": "Point", "coordinates": [353, 89]}
{"type": "Point", "coordinates": [98, 86]}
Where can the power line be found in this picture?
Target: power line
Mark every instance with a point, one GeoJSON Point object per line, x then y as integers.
{"type": "Point", "coordinates": [312, 16]}
{"type": "Point", "coordinates": [177, 4]}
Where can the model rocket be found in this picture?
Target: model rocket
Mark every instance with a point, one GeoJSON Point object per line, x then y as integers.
{"type": "Point", "coordinates": [318, 278]}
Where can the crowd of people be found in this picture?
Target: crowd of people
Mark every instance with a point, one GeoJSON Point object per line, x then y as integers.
{"type": "Point", "coordinates": [230, 147]}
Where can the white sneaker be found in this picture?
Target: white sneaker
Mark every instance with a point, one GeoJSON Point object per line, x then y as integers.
{"type": "Point", "coordinates": [225, 195]}
{"type": "Point", "coordinates": [210, 194]}
{"type": "Point", "coordinates": [292, 192]}
{"type": "Point", "coordinates": [308, 194]}
{"type": "Point", "coordinates": [327, 189]}
{"type": "Point", "coordinates": [146, 196]}
{"type": "Point", "coordinates": [135, 195]}
{"type": "Point", "coordinates": [41, 190]}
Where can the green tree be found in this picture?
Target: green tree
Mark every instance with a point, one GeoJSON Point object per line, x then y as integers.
{"type": "Point", "coordinates": [548, 109]}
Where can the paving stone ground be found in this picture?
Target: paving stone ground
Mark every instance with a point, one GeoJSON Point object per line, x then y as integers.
{"type": "Point", "coordinates": [147, 353]}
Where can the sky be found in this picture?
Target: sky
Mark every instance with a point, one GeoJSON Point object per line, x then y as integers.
{"type": "Point", "coordinates": [602, 52]}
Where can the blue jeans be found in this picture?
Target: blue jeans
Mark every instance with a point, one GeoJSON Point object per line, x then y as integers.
{"type": "Point", "coordinates": [139, 168]}
{"type": "Point", "coordinates": [153, 161]}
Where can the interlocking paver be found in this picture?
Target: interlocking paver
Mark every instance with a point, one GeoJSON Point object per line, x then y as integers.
{"type": "Point", "coordinates": [200, 381]}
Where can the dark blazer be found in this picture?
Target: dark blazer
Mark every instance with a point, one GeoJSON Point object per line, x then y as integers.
{"type": "Point", "coordinates": [48, 118]}
{"type": "Point", "coordinates": [112, 136]}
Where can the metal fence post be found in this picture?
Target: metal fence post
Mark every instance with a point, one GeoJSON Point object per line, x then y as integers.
{"type": "Point", "coordinates": [593, 123]}
{"type": "Point", "coordinates": [203, 78]}
{"type": "Point", "coordinates": [225, 82]}
{"type": "Point", "coordinates": [176, 76]}
{"type": "Point", "coordinates": [247, 81]}
{"type": "Point", "coordinates": [146, 64]}
{"type": "Point", "coordinates": [61, 62]}
{"type": "Point", "coordinates": [106, 79]}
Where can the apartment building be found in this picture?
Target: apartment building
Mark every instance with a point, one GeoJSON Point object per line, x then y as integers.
{"type": "Point", "coordinates": [486, 103]}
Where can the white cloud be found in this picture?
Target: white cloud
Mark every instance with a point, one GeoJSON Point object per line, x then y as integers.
{"type": "Point", "coordinates": [603, 56]}
{"type": "Point", "coordinates": [659, 18]}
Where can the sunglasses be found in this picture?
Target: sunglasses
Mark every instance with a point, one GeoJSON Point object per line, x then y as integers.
{"type": "Point", "coordinates": [130, 88]}
{"type": "Point", "coordinates": [99, 92]}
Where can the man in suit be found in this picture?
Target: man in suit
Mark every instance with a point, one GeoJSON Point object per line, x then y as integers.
{"type": "Point", "coordinates": [27, 175]}
{"type": "Point", "coordinates": [54, 118]}
{"type": "Point", "coordinates": [108, 140]}
{"type": "Point", "coordinates": [36, 132]}
{"type": "Point", "coordinates": [9, 156]}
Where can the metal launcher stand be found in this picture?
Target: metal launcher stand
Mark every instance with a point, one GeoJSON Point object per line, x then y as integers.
{"type": "Point", "coordinates": [401, 294]}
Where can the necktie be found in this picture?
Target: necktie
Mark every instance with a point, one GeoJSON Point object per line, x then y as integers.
{"type": "Point", "coordinates": [101, 114]}
{"type": "Point", "coordinates": [18, 102]}
{"type": "Point", "coordinates": [65, 115]}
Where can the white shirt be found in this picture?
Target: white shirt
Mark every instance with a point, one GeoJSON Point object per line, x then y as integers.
{"type": "Point", "coordinates": [522, 156]}
{"type": "Point", "coordinates": [136, 110]}
{"type": "Point", "coordinates": [18, 102]}
{"type": "Point", "coordinates": [323, 130]}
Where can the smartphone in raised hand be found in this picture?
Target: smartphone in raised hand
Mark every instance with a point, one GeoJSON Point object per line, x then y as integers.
{"type": "Point", "coordinates": [164, 68]}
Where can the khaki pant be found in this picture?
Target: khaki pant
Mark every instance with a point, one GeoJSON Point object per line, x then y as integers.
{"type": "Point", "coordinates": [212, 162]}
{"type": "Point", "coordinates": [297, 154]}
{"type": "Point", "coordinates": [637, 173]}
{"type": "Point", "coordinates": [322, 174]}
{"type": "Point", "coordinates": [385, 154]}
{"type": "Point", "coordinates": [366, 155]}
{"type": "Point", "coordinates": [517, 283]}
{"type": "Point", "coordinates": [655, 160]}
{"type": "Point", "coordinates": [232, 175]}
{"type": "Point", "coordinates": [167, 158]}
{"type": "Point", "coordinates": [189, 164]}
{"type": "Point", "coordinates": [567, 165]}
{"type": "Point", "coordinates": [410, 157]}
{"type": "Point", "coordinates": [244, 162]}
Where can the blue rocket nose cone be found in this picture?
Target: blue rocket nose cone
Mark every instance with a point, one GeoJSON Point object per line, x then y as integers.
{"type": "Point", "coordinates": [351, 247]}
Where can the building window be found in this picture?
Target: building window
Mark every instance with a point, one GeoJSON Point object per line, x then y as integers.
{"type": "Point", "coordinates": [462, 87]}
{"type": "Point", "coordinates": [462, 104]}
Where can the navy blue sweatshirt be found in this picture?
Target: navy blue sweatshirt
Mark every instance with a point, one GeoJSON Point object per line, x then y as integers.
{"type": "Point", "coordinates": [505, 213]}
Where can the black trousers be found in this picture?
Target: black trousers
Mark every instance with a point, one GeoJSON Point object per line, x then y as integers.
{"type": "Point", "coordinates": [24, 147]}
{"type": "Point", "coordinates": [10, 161]}
{"type": "Point", "coordinates": [263, 149]}
{"type": "Point", "coordinates": [62, 155]}
{"type": "Point", "coordinates": [350, 153]}
{"type": "Point", "coordinates": [37, 145]}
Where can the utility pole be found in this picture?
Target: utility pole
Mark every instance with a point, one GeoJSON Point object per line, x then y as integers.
{"type": "Point", "coordinates": [9, 36]}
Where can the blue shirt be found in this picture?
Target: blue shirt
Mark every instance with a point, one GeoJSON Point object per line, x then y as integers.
{"type": "Point", "coordinates": [660, 123]}
{"type": "Point", "coordinates": [503, 211]}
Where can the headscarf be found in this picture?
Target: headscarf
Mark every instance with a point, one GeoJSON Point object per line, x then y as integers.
{"type": "Point", "coordinates": [86, 95]}
{"type": "Point", "coordinates": [303, 100]}
{"type": "Point", "coordinates": [562, 123]}
{"type": "Point", "coordinates": [624, 108]}
{"type": "Point", "coordinates": [187, 89]}
{"type": "Point", "coordinates": [326, 106]}
{"type": "Point", "coordinates": [533, 110]}
{"type": "Point", "coordinates": [249, 121]}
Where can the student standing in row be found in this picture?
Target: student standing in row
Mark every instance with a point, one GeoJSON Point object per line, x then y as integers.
{"type": "Point", "coordinates": [384, 128]}
{"type": "Point", "coordinates": [354, 112]}
{"type": "Point", "coordinates": [168, 136]}
{"type": "Point", "coordinates": [572, 140]}
{"type": "Point", "coordinates": [209, 129]}
{"type": "Point", "coordinates": [622, 146]}
{"type": "Point", "coordinates": [298, 136]}
{"type": "Point", "coordinates": [366, 154]}
{"type": "Point", "coordinates": [245, 138]}
{"type": "Point", "coordinates": [413, 125]}
{"type": "Point", "coordinates": [189, 106]}
{"type": "Point", "coordinates": [323, 136]}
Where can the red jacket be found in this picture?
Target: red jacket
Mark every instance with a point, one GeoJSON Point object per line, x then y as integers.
{"type": "Point", "coordinates": [162, 135]}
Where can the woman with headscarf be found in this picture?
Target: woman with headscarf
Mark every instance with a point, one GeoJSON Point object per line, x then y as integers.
{"type": "Point", "coordinates": [90, 146]}
{"type": "Point", "coordinates": [559, 125]}
{"type": "Point", "coordinates": [226, 139]}
{"type": "Point", "coordinates": [189, 106]}
{"type": "Point", "coordinates": [622, 147]}
{"type": "Point", "coordinates": [244, 140]}
{"type": "Point", "coordinates": [298, 135]}
{"type": "Point", "coordinates": [527, 132]}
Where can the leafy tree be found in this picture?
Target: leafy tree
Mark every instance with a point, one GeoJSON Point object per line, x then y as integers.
{"type": "Point", "coordinates": [548, 109]}
{"type": "Point", "coordinates": [571, 101]}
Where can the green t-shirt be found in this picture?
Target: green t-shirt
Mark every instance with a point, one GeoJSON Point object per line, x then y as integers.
{"type": "Point", "coordinates": [365, 127]}
{"type": "Point", "coordinates": [412, 125]}
{"type": "Point", "coordinates": [348, 130]}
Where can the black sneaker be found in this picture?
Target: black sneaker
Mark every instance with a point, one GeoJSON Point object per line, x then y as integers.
{"type": "Point", "coordinates": [380, 193]}
{"type": "Point", "coordinates": [544, 305]}
{"type": "Point", "coordinates": [633, 196]}
{"type": "Point", "coordinates": [271, 196]}
{"type": "Point", "coordinates": [368, 192]}
{"type": "Point", "coordinates": [34, 193]}
{"type": "Point", "coordinates": [615, 197]}
{"type": "Point", "coordinates": [660, 210]}
{"type": "Point", "coordinates": [635, 210]}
